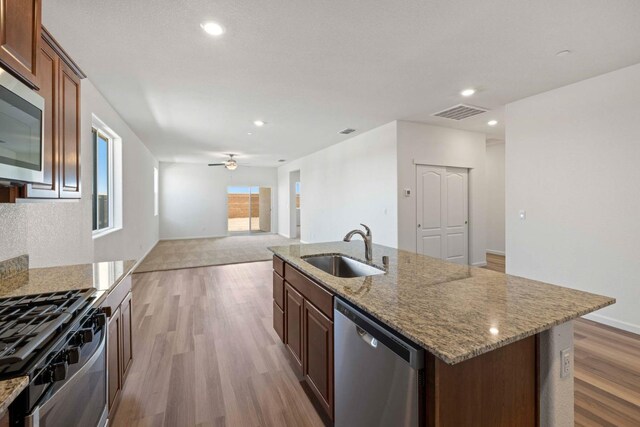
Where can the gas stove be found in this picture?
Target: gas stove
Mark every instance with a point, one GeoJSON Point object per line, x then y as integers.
{"type": "Point", "coordinates": [58, 341]}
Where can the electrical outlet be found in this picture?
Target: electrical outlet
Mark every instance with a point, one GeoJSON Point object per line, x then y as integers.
{"type": "Point", "coordinates": [565, 363]}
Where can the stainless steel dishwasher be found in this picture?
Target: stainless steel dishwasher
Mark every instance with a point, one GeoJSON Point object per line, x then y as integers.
{"type": "Point", "coordinates": [379, 375]}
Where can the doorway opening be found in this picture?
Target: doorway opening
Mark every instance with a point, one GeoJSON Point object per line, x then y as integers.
{"type": "Point", "coordinates": [248, 209]}
{"type": "Point", "coordinates": [295, 188]}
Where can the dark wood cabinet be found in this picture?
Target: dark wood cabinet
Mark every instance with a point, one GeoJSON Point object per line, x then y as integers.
{"type": "Point", "coordinates": [278, 320]}
{"type": "Point", "coordinates": [69, 133]}
{"type": "Point", "coordinates": [293, 302]}
{"type": "Point", "coordinates": [20, 38]}
{"type": "Point", "coordinates": [307, 328]}
{"type": "Point", "coordinates": [59, 81]}
{"type": "Point", "coordinates": [318, 355]}
{"type": "Point", "coordinates": [119, 306]}
{"type": "Point", "coordinates": [127, 343]}
{"type": "Point", "coordinates": [114, 361]}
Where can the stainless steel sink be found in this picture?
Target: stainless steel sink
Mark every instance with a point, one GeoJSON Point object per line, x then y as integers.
{"type": "Point", "coordinates": [342, 266]}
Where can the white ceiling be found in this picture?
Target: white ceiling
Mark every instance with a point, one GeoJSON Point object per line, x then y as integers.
{"type": "Point", "coordinates": [312, 68]}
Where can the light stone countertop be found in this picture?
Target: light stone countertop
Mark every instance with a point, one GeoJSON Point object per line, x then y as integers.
{"type": "Point", "coordinates": [455, 312]}
{"type": "Point", "coordinates": [101, 276]}
{"type": "Point", "coordinates": [9, 390]}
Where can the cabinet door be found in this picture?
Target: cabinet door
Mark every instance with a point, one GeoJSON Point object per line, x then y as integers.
{"type": "Point", "coordinates": [127, 338]}
{"type": "Point", "coordinates": [293, 324]}
{"type": "Point", "coordinates": [48, 79]}
{"type": "Point", "coordinates": [113, 358]}
{"type": "Point", "coordinates": [318, 355]}
{"type": "Point", "coordinates": [20, 37]}
{"type": "Point", "coordinates": [69, 133]}
{"type": "Point", "coordinates": [278, 320]}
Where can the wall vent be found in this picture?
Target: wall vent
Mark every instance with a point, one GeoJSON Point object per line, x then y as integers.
{"type": "Point", "coordinates": [347, 131]}
{"type": "Point", "coordinates": [460, 111]}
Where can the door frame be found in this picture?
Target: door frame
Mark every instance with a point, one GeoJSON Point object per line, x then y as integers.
{"type": "Point", "coordinates": [416, 165]}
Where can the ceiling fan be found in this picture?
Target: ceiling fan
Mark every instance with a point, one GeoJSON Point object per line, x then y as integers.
{"type": "Point", "coordinates": [230, 164]}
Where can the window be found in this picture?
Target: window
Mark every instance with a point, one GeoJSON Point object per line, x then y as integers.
{"type": "Point", "coordinates": [107, 179]}
{"type": "Point", "coordinates": [102, 181]}
{"type": "Point", "coordinates": [155, 191]}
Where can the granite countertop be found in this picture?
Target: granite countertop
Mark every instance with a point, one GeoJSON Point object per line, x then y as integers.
{"type": "Point", "coordinates": [102, 276]}
{"type": "Point", "coordinates": [9, 390]}
{"type": "Point", "coordinates": [455, 312]}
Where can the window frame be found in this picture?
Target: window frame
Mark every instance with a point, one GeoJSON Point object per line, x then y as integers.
{"type": "Point", "coordinates": [97, 232]}
{"type": "Point", "coordinates": [156, 191]}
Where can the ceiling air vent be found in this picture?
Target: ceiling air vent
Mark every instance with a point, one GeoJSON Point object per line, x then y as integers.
{"type": "Point", "coordinates": [347, 131]}
{"type": "Point", "coordinates": [460, 111]}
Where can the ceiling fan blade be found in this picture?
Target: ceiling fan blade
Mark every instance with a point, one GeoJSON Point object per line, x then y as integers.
{"type": "Point", "coordinates": [217, 164]}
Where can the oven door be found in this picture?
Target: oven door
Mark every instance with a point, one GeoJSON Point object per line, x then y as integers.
{"type": "Point", "coordinates": [81, 399]}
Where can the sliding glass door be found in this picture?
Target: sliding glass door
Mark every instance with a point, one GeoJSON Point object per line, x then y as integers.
{"type": "Point", "coordinates": [249, 209]}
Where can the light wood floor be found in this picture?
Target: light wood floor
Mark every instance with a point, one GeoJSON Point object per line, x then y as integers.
{"type": "Point", "coordinates": [607, 371]}
{"type": "Point", "coordinates": [205, 353]}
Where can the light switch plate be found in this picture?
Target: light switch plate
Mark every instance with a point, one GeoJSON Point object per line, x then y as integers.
{"type": "Point", "coordinates": [407, 192]}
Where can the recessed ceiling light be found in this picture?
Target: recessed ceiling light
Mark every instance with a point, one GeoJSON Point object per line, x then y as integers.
{"type": "Point", "coordinates": [563, 53]}
{"type": "Point", "coordinates": [492, 122]}
{"type": "Point", "coordinates": [212, 28]}
{"type": "Point", "coordinates": [468, 92]}
{"type": "Point", "coordinates": [249, 133]}
{"type": "Point", "coordinates": [259, 123]}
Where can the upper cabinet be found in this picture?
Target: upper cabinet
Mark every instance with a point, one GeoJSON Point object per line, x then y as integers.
{"type": "Point", "coordinates": [59, 85]}
{"type": "Point", "coordinates": [20, 38]}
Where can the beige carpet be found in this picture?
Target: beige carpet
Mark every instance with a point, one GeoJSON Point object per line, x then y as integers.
{"type": "Point", "coordinates": [177, 254]}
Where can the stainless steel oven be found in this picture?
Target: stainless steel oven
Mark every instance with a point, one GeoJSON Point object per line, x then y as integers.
{"type": "Point", "coordinates": [79, 396]}
{"type": "Point", "coordinates": [21, 131]}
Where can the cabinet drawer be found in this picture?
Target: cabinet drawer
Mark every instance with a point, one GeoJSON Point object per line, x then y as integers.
{"type": "Point", "coordinates": [278, 320]}
{"type": "Point", "coordinates": [278, 266]}
{"type": "Point", "coordinates": [278, 290]}
{"type": "Point", "coordinates": [313, 292]}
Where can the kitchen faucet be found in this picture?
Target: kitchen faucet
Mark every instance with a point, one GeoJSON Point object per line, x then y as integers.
{"type": "Point", "coordinates": [368, 242]}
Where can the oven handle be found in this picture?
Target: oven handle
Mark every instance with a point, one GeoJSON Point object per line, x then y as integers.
{"type": "Point", "coordinates": [33, 419]}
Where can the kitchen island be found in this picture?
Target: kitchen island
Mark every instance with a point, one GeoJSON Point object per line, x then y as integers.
{"type": "Point", "coordinates": [490, 338]}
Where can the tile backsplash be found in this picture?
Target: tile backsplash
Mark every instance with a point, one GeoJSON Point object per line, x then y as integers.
{"type": "Point", "coordinates": [13, 230]}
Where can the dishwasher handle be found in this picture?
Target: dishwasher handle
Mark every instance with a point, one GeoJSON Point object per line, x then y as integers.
{"type": "Point", "coordinates": [374, 333]}
{"type": "Point", "coordinates": [366, 337]}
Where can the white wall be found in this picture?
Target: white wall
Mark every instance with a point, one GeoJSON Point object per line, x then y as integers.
{"type": "Point", "coordinates": [433, 145]}
{"type": "Point", "coordinates": [59, 232]}
{"type": "Point", "coordinates": [495, 197]}
{"type": "Point", "coordinates": [344, 185]}
{"type": "Point", "coordinates": [139, 231]}
{"type": "Point", "coordinates": [193, 197]}
{"type": "Point", "coordinates": [572, 161]}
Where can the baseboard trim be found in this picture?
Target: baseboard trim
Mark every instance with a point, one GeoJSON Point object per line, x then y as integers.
{"type": "Point", "coordinates": [479, 264]}
{"type": "Point", "coordinates": [304, 242]}
{"type": "Point", "coordinates": [625, 326]}
{"type": "Point", "coordinates": [286, 236]}
{"type": "Point", "coordinates": [492, 252]}
{"type": "Point", "coordinates": [194, 238]}
{"type": "Point", "coordinates": [145, 255]}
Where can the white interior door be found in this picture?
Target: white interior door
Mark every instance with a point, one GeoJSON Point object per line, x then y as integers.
{"type": "Point", "coordinates": [442, 213]}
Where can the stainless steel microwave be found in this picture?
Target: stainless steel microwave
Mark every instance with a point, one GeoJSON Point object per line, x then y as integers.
{"type": "Point", "coordinates": [21, 131]}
